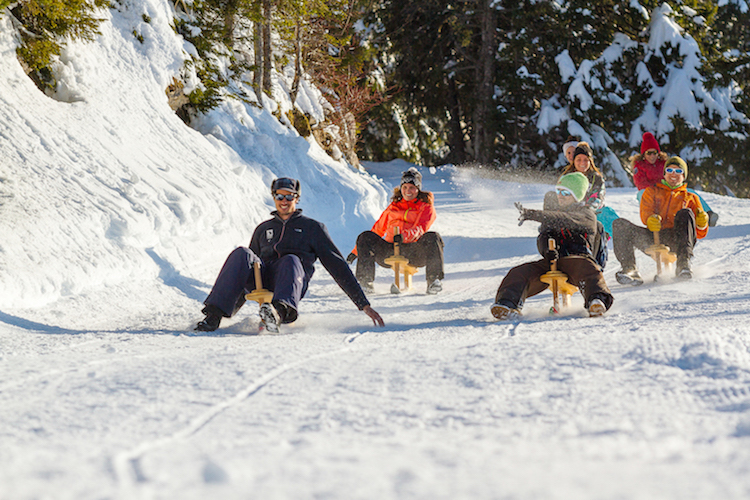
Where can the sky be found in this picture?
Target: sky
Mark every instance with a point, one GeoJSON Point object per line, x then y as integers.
{"type": "Point", "coordinates": [116, 217]}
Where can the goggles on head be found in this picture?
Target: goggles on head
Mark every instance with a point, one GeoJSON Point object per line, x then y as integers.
{"type": "Point", "coordinates": [563, 191]}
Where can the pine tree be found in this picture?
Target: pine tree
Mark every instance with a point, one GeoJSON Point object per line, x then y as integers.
{"type": "Point", "coordinates": [43, 26]}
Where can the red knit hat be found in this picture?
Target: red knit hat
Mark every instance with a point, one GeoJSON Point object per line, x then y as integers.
{"type": "Point", "coordinates": [649, 142]}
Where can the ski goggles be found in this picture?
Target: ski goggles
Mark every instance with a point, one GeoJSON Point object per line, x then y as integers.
{"type": "Point", "coordinates": [671, 170]}
{"type": "Point", "coordinates": [651, 152]}
{"type": "Point", "coordinates": [563, 192]}
{"type": "Point", "coordinates": [287, 197]}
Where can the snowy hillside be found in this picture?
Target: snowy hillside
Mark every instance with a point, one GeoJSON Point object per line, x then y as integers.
{"type": "Point", "coordinates": [107, 189]}
{"type": "Point", "coordinates": [115, 218]}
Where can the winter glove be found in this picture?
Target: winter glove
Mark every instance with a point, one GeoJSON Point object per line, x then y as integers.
{"type": "Point", "coordinates": [551, 255]}
{"type": "Point", "coordinates": [701, 220]}
{"type": "Point", "coordinates": [351, 258]}
{"type": "Point", "coordinates": [653, 223]}
{"type": "Point", "coordinates": [522, 213]}
{"type": "Point", "coordinates": [398, 238]}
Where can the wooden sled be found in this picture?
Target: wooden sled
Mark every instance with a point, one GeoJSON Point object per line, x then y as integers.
{"type": "Point", "coordinates": [661, 254]}
{"type": "Point", "coordinates": [558, 282]}
{"type": "Point", "coordinates": [400, 265]}
{"type": "Point", "coordinates": [260, 294]}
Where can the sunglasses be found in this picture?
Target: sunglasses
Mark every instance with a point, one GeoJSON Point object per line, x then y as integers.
{"type": "Point", "coordinates": [651, 152]}
{"type": "Point", "coordinates": [563, 192]}
{"type": "Point", "coordinates": [671, 170]}
{"type": "Point", "coordinates": [287, 197]}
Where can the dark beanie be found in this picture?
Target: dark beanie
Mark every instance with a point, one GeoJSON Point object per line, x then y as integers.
{"type": "Point", "coordinates": [583, 149]}
{"type": "Point", "coordinates": [412, 176]}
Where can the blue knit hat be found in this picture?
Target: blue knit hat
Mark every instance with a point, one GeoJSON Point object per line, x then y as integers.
{"type": "Point", "coordinates": [576, 183]}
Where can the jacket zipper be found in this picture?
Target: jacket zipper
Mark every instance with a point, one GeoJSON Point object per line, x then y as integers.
{"type": "Point", "coordinates": [283, 229]}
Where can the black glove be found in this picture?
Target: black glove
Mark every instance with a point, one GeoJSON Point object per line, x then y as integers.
{"type": "Point", "coordinates": [397, 238]}
{"type": "Point", "coordinates": [351, 258]}
{"type": "Point", "coordinates": [551, 255]}
{"type": "Point", "coordinates": [522, 213]}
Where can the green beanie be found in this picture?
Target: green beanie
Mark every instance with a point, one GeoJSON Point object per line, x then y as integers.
{"type": "Point", "coordinates": [676, 161]}
{"type": "Point", "coordinates": [576, 183]}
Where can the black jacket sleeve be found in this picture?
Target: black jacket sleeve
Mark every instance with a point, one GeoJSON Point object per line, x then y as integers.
{"type": "Point", "coordinates": [331, 258]}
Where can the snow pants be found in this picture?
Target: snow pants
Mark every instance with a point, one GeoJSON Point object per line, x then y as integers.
{"type": "Point", "coordinates": [427, 252]}
{"type": "Point", "coordinates": [680, 239]}
{"type": "Point", "coordinates": [523, 281]}
{"type": "Point", "coordinates": [284, 276]}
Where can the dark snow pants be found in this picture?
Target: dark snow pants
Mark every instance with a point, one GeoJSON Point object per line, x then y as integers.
{"type": "Point", "coordinates": [427, 252]}
{"type": "Point", "coordinates": [284, 276]}
{"type": "Point", "coordinates": [523, 281]}
{"type": "Point", "coordinates": [680, 238]}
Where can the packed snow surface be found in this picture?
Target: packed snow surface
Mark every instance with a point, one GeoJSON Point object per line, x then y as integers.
{"type": "Point", "coordinates": [115, 218]}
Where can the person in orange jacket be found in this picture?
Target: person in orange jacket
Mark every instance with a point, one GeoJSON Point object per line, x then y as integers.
{"type": "Point", "coordinates": [412, 211]}
{"type": "Point", "coordinates": [671, 210]}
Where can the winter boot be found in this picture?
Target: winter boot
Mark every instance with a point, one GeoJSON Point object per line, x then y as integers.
{"type": "Point", "coordinates": [629, 276]}
{"type": "Point", "coordinates": [682, 270]}
{"type": "Point", "coordinates": [502, 311]}
{"type": "Point", "coordinates": [209, 324]}
{"type": "Point", "coordinates": [434, 287]}
{"type": "Point", "coordinates": [597, 308]}
{"type": "Point", "coordinates": [368, 287]}
{"type": "Point", "coordinates": [269, 317]}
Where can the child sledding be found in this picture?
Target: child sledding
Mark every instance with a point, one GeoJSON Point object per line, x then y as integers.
{"type": "Point", "coordinates": [673, 214]}
{"type": "Point", "coordinates": [573, 227]}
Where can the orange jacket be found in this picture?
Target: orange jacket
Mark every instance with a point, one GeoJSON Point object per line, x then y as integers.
{"type": "Point", "coordinates": [662, 200]}
{"type": "Point", "coordinates": [413, 219]}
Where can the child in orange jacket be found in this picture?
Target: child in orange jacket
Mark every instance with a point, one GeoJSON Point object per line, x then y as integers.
{"type": "Point", "coordinates": [412, 211]}
{"type": "Point", "coordinates": [670, 209]}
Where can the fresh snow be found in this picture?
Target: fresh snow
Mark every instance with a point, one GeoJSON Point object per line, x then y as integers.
{"type": "Point", "coordinates": [115, 219]}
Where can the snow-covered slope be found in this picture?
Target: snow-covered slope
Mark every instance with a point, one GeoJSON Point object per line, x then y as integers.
{"type": "Point", "coordinates": [650, 401]}
{"type": "Point", "coordinates": [115, 218]}
{"type": "Point", "coordinates": [105, 189]}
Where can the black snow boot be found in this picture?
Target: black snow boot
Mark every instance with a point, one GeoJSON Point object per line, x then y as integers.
{"type": "Point", "coordinates": [209, 324]}
{"type": "Point", "coordinates": [211, 321]}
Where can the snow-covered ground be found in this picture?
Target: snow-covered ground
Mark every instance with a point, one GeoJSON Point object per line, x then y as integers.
{"type": "Point", "coordinates": [115, 219]}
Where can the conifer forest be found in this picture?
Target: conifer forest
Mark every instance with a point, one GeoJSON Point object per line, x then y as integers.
{"type": "Point", "coordinates": [496, 83]}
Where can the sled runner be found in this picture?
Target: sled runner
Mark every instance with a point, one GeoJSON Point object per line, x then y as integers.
{"type": "Point", "coordinates": [661, 254]}
{"type": "Point", "coordinates": [400, 264]}
{"type": "Point", "coordinates": [260, 294]}
{"type": "Point", "coordinates": [558, 282]}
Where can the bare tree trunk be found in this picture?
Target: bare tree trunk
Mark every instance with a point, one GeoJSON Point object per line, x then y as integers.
{"type": "Point", "coordinates": [267, 12]}
{"type": "Point", "coordinates": [230, 16]}
{"type": "Point", "coordinates": [456, 133]}
{"type": "Point", "coordinates": [483, 78]}
{"type": "Point", "coordinates": [297, 60]}
{"type": "Point", "coordinates": [258, 72]}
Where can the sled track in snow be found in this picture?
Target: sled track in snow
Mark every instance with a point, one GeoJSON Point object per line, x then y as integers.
{"type": "Point", "coordinates": [127, 468]}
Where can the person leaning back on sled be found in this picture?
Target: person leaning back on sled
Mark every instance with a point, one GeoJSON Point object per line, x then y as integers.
{"type": "Point", "coordinates": [412, 212]}
{"type": "Point", "coordinates": [573, 227]}
{"type": "Point", "coordinates": [286, 247]}
{"type": "Point", "coordinates": [667, 208]}
{"type": "Point", "coordinates": [648, 170]}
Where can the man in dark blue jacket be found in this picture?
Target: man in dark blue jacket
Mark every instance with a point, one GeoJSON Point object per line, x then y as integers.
{"type": "Point", "coordinates": [286, 247]}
